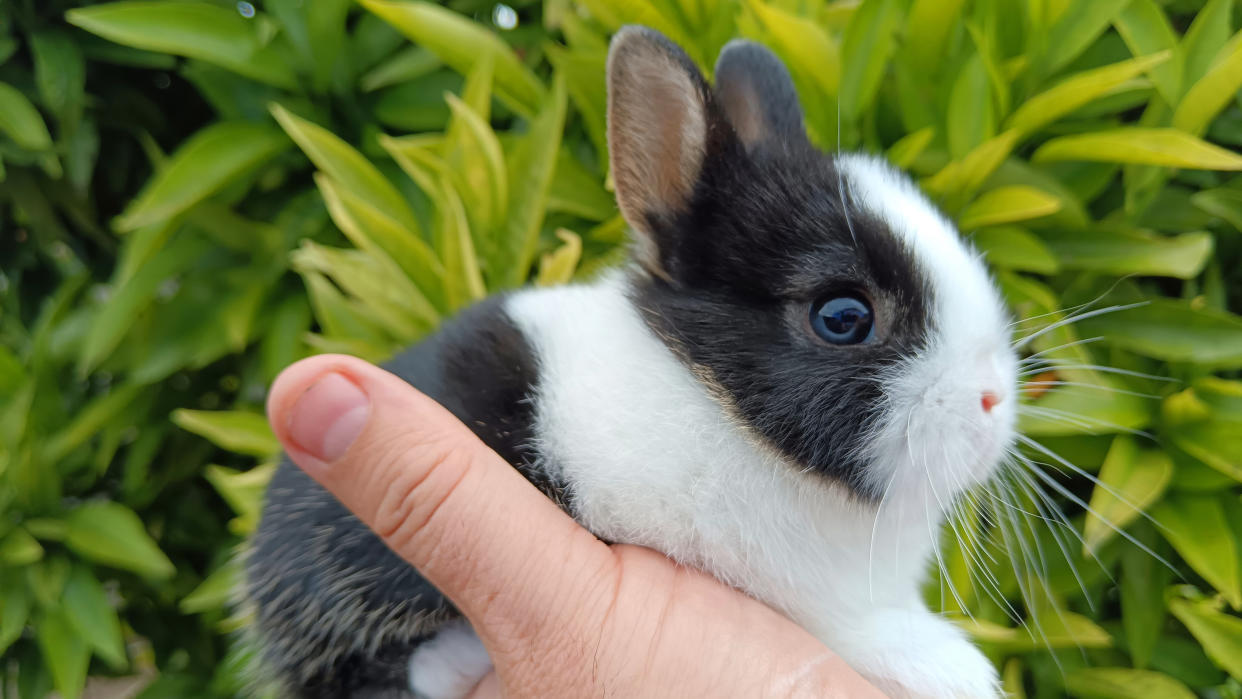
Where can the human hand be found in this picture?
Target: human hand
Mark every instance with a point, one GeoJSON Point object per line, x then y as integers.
{"type": "Point", "coordinates": [560, 613]}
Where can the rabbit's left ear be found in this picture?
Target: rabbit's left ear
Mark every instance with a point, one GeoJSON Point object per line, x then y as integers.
{"type": "Point", "coordinates": [757, 96]}
{"type": "Point", "coordinates": [659, 117]}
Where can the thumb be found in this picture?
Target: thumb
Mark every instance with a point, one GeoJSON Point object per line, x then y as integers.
{"type": "Point", "coordinates": [436, 495]}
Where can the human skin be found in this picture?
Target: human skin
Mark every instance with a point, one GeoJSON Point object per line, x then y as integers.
{"type": "Point", "coordinates": [560, 613]}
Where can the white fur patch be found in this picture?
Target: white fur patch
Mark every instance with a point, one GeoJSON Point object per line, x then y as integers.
{"type": "Point", "coordinates": [449, 665]}
{"type": "Point", "coordinates": [937, 437]}
{"type": "Point", "coordinates": [652, 459]}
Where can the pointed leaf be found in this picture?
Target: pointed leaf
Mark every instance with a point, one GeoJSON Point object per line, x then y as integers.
{"type": "Point", "coordinates": [1006, 205]}
{"type": "Point", "coordinates": [1197, 527]}
{"type": "Point", "coordinates": [1146, 30]}
{"type": "Point", "coordinates": [19, 548]}
{"type": "Point", "coordinates": [1142, 146]}
{"type": "Point", "coordinates": [91, 613]}
{"type": "Point", "coordinates": [201, 30]}
{"type": "Point", "coordinates": [1078, 90]}
{"type": "Point", "coordinates": [1220, 634]}
{"type": "Point", "coordinates": [382, 236]}
{"type": "Point", "coordinates": [65, 653]}
{"type": "Point", "coordinates": [210, 160]}
{"type": "Point", "coordinates": [347, 166]}
{"type": "Point", "coordinates": [1076, 29]}
{"type": "Point", "coordinates": [1172, 330]}
{"type": "Point", "coordinates": [1133, 252]}
{"type": "Point", "coordinates": [557, 267]}
{"type": "Point", "coordinates": [111, 534]}
{"type": "Point", "coordinates": [242, 490]}
{"type": "Point", "coordinates": [460, 42]}
{"type": "Point", "coordinates": [234, 430]}
{"type": "Point", "coordinates": [1124, 683]}
{"type": "Point", "coordinates": [868, 43]}
{"type": "Point", "coordinates": [531, 166]}
{"type": "Point", "coordinates": [1130, 480]}
{"type": "Point", "coordinates": [20, 121]}
{"type": "Point", "coordinates": [1014, 248]}
{"type": "Point", "coordinates": [1211, 93]}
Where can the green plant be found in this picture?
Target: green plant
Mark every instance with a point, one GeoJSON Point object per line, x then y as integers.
{"type": "Point", "coordinates": [1085, 148]}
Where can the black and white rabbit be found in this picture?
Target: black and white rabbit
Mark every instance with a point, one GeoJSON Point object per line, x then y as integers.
{"type": "Point", "coordinates": [800, 371]}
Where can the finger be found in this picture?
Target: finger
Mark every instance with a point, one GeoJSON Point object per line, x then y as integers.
{"type": "Point", "coordinates": [435, 494]}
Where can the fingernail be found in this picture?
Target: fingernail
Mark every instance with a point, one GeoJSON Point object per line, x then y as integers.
{"type": "Point", "coordinates": [328, 417]}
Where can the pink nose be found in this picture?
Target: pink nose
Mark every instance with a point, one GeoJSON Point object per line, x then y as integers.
{"type": "Point", "coordinates": [989, 401]}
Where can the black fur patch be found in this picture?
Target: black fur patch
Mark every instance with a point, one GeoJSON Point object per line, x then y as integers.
{"type": "Point", "coordinates": [767, 234]}
{"type": "Point", "coordinates": [337, 611]}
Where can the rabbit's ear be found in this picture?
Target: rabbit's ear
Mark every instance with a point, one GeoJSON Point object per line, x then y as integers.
{"type": "Point", "coordinates": [658, 118]}
{"type": "Point", "coordinates": [757, 96]}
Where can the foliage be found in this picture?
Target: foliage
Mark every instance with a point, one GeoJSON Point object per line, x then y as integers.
{"type": "Point", "coordinates": [197, 193]}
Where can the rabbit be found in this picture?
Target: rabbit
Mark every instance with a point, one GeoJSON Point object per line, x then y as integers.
{"type": "Point", "coordinates": [798, 370]}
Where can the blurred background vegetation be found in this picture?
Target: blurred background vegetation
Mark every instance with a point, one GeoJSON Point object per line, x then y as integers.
{"type": "Point", "coordinates": [195, 194]}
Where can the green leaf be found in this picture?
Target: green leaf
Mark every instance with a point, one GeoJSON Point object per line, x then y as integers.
{"type": "Point", "coordinates": [65, 653]}
{"type": "Point", "coordinates": [1014, 248]}
{"type": "Point", "coordinates": [904, 152]}
{"type": "Point", "coordinates": [1132, 252]}
{"type": "Point", "coordinates": [1058, 630]}
{"type": "Point", "coordinates": [1143, 579]}
{"type": "Point", "coordinates": [111, 534]}
{"type": "Point", "coordinates": [557, 267]}
{"type": "Point", "coordinates": [1124, 683]}
{"type": "Point", "coordinates": [1130, 480]}
{"type": "Point", "coordinates": [373, 281]}
{"type": "Point", "coordinates": [868, 43]}
{"type": "Point", "coordinates": [88, 610]}
{"type": "Point", "coordinates": [60, 74]}
{"type": "Point", "coordinates": [1146, 30]}
{"type": "Point", "coordinates": [1141, 146]}
{"type": "Point", "coordinates": [971, 117]}
{"type": "Point", "coordinates": [1006, 205]}
{"type": "Point", "coordinates": [1197, 528]}
{"type": "Point", "coordinates": [1206, 37]}
{"type": "Point", "coordinates": [1211, 93]}
{"type": "Point", "coordinates": [234, 430]}
{"type": "Point", "coordinates": [89, 420]}
{"type": "Point", "coordinates": [347, 166]}
{"type": "Point", "coordinates": [928, 28]}
{"type": "Point", "coordinates": [201, 30]}
{"type": "Point", "coordinates": [14, 609]}
{"type": "Point", "coordinates": [214, 592]}
{"type": "Point", "coordinates": [460, 42]}
{"type": "Point", "coordinates": [1173, 330]}
{"type": "Point", "coordinates": [1078, 90]}
{"type": "Point", "coordinates": [242, 490]}
{"type": "Point", "coordinates": [134, 294]}
{"type": "Point", "coordinates": [21, 121]}
{"type": "Point", "coordinates": [19, 548]}
{"type": "Point", "coordinates": [380, 235]}
{"type": "Point", "coordinates": [1093, 408]}
{"type": "Point", "coordinates": [531, 166]}
{"type": "Point", "coordinates": [410, 63]}
{"type": "Point", "coordinates": [1223, 202]}
{"type": "Point", "coordinates": [1217, 443]}
{"type": "Point", "coordinates": [1220, 634]}
{"type": "Point", "coordinates": [474, 156]}
{"type": "Point", "coordinates": [1076, 29]}
{"type": "Point", "coordinates": [210, 160]}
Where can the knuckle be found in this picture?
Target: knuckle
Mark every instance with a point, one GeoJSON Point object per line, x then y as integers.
{"type": "Point", "coordinates": [413, 482]}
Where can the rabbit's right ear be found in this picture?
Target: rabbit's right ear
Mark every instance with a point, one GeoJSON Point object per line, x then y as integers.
{"type": "Point", "coordinates": [658, 116]}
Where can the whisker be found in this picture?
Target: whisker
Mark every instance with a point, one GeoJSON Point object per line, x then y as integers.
{"type": "Point", "coordinates": [1074, 319]}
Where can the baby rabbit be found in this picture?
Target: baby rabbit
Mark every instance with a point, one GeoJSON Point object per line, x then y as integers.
{"type": "Point", "coordinates": [797, 374]}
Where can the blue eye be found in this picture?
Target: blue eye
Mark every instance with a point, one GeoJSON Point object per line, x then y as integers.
{"type": "Point", "coordinates": [843, 320]}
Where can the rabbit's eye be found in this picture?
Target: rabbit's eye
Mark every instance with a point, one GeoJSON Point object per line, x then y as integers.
{"type": "Point", "coordinates": [843, 320]}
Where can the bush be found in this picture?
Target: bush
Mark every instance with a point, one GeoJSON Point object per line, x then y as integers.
{"type": "Point", "coordinates": [198, 193]}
